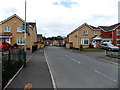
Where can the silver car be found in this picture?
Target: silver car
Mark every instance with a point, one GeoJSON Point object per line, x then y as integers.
{"type": "Point", "coordinates": [109, 46]}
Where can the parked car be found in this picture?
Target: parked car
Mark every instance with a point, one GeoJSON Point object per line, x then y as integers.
{"type": "Point", "coordinates": [109, 46]}
{"type": "Point", "coordinates": [4, 46]}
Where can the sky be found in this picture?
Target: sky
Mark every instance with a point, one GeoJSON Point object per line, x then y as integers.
{"type": "Point", "coordinates": [60, 17]}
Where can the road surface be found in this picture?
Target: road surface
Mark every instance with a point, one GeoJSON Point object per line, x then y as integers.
{"type": "Point", "coordinates": [74, 70]}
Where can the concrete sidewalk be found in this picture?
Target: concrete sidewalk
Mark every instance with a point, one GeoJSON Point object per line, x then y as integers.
{"type": "Point", "coordinates": [36, 72]}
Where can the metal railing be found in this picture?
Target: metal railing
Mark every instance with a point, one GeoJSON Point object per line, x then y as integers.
{"type": "Point", "coordinates": [12, 61]}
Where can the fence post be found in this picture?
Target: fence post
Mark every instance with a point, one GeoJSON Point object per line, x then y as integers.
{"type": "Point", "coordinates": [24, 54]}
{"type": "Point", "coordinates": [106, 52]}
{"type": "Point", "coordinates": [9, 55]}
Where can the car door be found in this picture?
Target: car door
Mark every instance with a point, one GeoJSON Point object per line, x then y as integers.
{"type": "Point", "coordinates": [7, 45]}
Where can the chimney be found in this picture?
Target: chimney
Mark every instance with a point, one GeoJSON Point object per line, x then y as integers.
{"type": "Point", "coordinates": [119, 12]}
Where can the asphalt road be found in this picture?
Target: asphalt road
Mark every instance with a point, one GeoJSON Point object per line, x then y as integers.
{"type": "Point", "coordinates": [72, 70]}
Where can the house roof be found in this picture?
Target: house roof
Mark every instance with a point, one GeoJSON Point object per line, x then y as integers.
{"type": "Point", "coordinates": [10, 18]}
{"type": "Point", "coordinates": [109, 28]}
{"type": "Point", "coordinates": [32, 24]}
{"type": "Point", "coordinates": [82, 26]}
{"type": "Point", "coordinates": [97, 38]}
{"type": "Point", "coordinates": [94, 28]}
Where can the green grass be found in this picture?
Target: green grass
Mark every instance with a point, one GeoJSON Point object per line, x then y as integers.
{"type": "Point", "coordinates": [118, 56]}
{"type": "Point", "coordinates": [92, 50]}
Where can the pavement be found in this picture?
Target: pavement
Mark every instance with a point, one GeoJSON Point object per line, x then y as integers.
{"type": "Point", "coordinates": [70, 69]}
{"type": "Point", "coordinates": [75, 70]}
{"type": "Point", "coordinates": [36, 72]}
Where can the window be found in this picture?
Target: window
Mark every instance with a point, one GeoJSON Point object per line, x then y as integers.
{"type": "Point", "coordinates": [85, 32]}
{"type": "Point", "coordinates": [6, 28]}
{"type": "Point", "coordinates": [20, 41]}
{"type": "Point", "coordinates": [95, 32]}
{"type": "Point", "coordinates": [118, 32]}
{"type": "Point", "coordinates": [118, 42]}
{"type": "Point", "coordinates": [19, 29]}
{"type": "Point", "coordinates": [85, 42]}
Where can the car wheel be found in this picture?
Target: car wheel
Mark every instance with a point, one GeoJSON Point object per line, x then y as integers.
{"type": "Point", "coordinates": [109, 49]}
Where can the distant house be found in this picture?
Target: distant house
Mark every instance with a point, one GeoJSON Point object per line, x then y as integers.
{"type": "Point", "coordinates": [39, 38]}
{"type": "Point", "coordinates": [111, 34]}
{"type": "Point", "coordinates": [84, 35]}
{"type": "Point", "coordinates": [48, 42]}
{"type": "Point", "coordinates": [12, 31]}
{"type": "Point", "coordinates": [57, 42]}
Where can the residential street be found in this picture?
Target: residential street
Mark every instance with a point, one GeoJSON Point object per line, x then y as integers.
{"type": "Point", "coordinates": [75, 70]}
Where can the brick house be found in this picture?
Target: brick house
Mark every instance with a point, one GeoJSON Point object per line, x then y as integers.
{"type": "Point", "coordinates": [111, 34]}
{"type": "Point", "coordinates": [83, 35]}
{"type": "Point", "coordinates": [11, 31]}
{"type": "Point", "coordinates": [88, 34]}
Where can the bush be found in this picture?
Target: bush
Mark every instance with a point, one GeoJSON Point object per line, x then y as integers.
{"type": "Point", "coordinates": [90, 46]}
{"type": "Point", "coordinates": [15, 45]}
{"type": "Point", "coordinates": [81, 47]}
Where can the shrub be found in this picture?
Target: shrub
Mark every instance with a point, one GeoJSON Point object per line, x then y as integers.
{"type": "Point", "coordinates": [90, 46]}
{"type": "Point", "coordinates": [81, 47]}
{"type": "Point", "coordinates": [15, 45]}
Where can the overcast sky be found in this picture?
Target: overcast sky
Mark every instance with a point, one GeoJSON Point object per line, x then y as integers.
{"type": "Point", "coordinates": [60, 17]}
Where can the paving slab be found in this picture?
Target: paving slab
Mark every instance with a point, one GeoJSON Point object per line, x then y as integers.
{"type": "Point", "coordinates": [35, 72]}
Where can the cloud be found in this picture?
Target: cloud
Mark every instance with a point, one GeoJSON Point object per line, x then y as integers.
{"type": "Point", "coordinates": [11, 10]}
{"type": "Point", "coordinates": [66, 3]}
{"type": "Point", "coordinates": [56, 17]}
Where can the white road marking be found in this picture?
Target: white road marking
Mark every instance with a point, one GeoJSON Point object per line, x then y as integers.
{"type": "Point", "coordinates": [109, 61]}
{"type": "Point", "coordinates": [106, 76]}
{"type": "Point", "coordinates": [72, 59]}
{"type": "Point", "coordinates": [51, 74]}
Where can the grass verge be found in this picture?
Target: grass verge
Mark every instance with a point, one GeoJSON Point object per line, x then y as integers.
{"type": "Point", "coordinates": [92, 50]}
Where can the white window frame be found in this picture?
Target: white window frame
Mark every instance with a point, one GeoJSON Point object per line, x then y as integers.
{"type": "Point", "coordinates": [21, 41]}
{"type": "Point", "coordinates": [117, 32]}
{"type": "Point", "coordinates": [19, 29]}
{"type": "Point", "coordinates": [7, 28]}
{"type": "Point", "coordinates": [95, 32]}
{"type": "Point", "coordinates": [83, 41]}
{"type": "Point", "coordinates": [116, 41]}
{"type": "Point", "coordinates": [85, 32]}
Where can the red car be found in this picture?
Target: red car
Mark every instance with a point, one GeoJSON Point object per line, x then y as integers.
{"type": "Point", "coordinates": [4, 46]}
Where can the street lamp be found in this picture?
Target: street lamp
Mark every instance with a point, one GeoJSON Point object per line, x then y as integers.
{"type": "Point", "coordinates": [25, 38]}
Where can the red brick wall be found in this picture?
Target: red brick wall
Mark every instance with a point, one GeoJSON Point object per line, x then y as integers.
{"type": "Point", "coordinates": [106, 34]}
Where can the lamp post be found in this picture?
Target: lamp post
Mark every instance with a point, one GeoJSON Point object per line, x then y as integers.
{"type": "Point", "coordinates": [119, 12]}
{"type": "Point", "coordinates": [25, 38]}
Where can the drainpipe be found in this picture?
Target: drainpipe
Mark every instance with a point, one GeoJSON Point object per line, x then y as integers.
{"type": "Point", "coordinates": [112, 37]}
{"type": "Point", "coordinates": [77, 40]}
